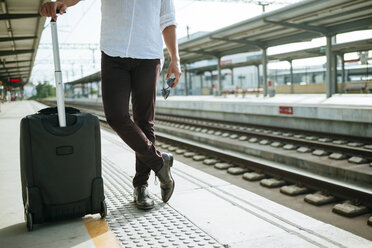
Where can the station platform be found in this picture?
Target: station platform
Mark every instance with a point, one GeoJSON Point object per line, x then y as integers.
{"type": "Point", "coordinates": [345, 114]}
{"type": "Point", "coordinates": [204, 211]}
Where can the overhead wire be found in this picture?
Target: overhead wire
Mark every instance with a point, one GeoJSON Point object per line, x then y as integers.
{"type": "Point", "coordinates": [80, 19]}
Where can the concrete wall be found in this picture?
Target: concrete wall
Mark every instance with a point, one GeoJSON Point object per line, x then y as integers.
{"type": "Point", "coordinates": [329, 119]}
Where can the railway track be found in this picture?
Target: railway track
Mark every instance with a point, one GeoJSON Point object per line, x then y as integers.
{"type": "Point", "coordinates": [350, 146]}
{"type": "Point", "coordinates": [359, 198]}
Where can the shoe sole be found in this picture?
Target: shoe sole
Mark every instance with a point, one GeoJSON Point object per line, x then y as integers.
{"type": "Point", "coordinates": [142, 208]}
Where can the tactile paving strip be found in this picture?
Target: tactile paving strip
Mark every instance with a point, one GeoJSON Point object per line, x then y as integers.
{"type": "Point", "coordinates": [161, 226]}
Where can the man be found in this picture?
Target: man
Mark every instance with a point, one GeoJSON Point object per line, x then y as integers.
{"type": "Point", "coordinates": [132, 51]}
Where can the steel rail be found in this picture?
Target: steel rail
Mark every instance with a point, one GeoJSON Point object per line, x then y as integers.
{"type": "Point", "coordinates": [350, 151]}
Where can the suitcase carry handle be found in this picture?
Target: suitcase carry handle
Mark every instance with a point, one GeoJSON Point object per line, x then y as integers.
{"type": "Point", "coordinates": [68, 130]}
{"type": "Point", "coordinates": [58, 76]}
{"type": "Point", "coordinates": [54, 110]}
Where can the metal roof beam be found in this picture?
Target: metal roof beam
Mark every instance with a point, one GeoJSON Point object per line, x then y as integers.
{"type": "Point", "coordinates": [315, 29]}
{"type": "Point", "coordinates": [11, 72]}
{"type": "Point", "coordinates": [200, 51]}
{"type": "Point", "coordinates": [17, 38]}
{"type": "Point", "coordinates": [11, 52]}
{"type": "Point", "coordinates": [15, 74]}
{"type": "Point", "coordinates": [3, 63]}
{"type": "Point", "coordinates": [18, 74]}
{"type": "Point", "coordinates": [316, 52]}
{"type": "Point", "coordinates": [351, 26]}
{"type": "Point", "coordinates": [18, 16]}
{"type": "Point", "coordinates": [13, 68]}
{"type": "Point", "coordinates": [290, 39]}
{"type": "Point", "coordinates": [242, 41]}
{"type": "Point", "coordinates": [87, 79]}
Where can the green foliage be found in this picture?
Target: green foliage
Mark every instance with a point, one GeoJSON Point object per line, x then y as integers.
{"type": "Point", "coordinates": [44, 90]}
{"type": "Point", "coordinates": [94, 92]}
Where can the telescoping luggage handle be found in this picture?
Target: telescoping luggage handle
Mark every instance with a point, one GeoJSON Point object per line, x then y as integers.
{"type": "Point", "coordinates": [58, 76]}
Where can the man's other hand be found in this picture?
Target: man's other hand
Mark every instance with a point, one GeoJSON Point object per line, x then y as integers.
{"type": "Point", "coordinates": [174, 68]}
{"type": "Point", "coordinates": [50, 9]}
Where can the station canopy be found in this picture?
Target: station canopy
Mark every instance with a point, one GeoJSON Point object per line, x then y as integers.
{"type": "Point", "coordinates": [340, 48]}
{"type": "Point", "coordinates": [298, 22]}
{"type": "Point", "coordinates": [20, 30]}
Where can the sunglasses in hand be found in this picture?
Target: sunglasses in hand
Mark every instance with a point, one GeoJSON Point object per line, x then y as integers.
{"type": "Point", "coordinates": [166, 91]}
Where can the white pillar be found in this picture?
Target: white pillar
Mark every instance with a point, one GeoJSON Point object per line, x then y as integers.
{"type": "Point", "coordinates": [329, 67]}
{"type": "Point", "coordinates": [342, 73]}
{"type": "Point", "coordinates": [290, 62]}
{"type": "Point", "coordinates": [258, 78]}
{"type": "Point", "coordinates": [219, 76]}
{"type": "Point", "coordinates": [186, 81]}
{"type": "Point", "coordinates": [264, 67]}
{"type": "Point", "coordinates": [232, 75]}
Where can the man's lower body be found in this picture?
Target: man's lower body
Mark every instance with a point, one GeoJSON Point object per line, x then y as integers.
{"type": "Point", "coordinates": [122, 77]}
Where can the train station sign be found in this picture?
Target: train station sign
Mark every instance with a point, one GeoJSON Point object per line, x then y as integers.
{"type": "Point", "coordinates": [287, 110]}
{"type": "Point", "coordinates": [14, 80]}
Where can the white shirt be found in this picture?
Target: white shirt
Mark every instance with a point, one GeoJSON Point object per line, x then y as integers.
{"type": "Point", "coordinates": [133, 28]}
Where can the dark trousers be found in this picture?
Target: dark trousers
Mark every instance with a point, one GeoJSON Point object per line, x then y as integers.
{"type": "Point", "coordinates": [120, 78]}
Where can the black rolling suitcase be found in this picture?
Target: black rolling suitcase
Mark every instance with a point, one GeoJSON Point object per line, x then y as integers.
{"type": "Point", "coordinates": [60, 151]}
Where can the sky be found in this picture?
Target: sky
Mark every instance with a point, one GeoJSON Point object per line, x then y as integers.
{"type": "Point", "coordinates": [81, 25]}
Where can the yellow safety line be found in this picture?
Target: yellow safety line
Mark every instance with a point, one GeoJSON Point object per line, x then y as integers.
{"type": "Point", "coordinates": [100, 232]}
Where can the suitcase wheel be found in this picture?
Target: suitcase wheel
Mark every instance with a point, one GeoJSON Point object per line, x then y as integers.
{"type": "Point", "coordinates": [29, 221]}
{"type": "Point", "coordinates": [103, 209]}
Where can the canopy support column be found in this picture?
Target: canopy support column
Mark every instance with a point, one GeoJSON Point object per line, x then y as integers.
{"type": "Point", "coordinates": [219, 76]}
{"type": "Point", "coordinates": [186, 81]}
{"type": "Point", "coordinates": [264, 68]}
{"type": "Point", "coordinates": [334, 77]}
{"type": "Point", "coordinates": [232, 75]}
{"type": "Point", "coordinates": [258, 79]}
{"type": "Point", "coordinates": [342, 57]}
{"type": "Point", "coordinates": [291, 70]}
{"type": "Point", "coordinates": [329, 67]}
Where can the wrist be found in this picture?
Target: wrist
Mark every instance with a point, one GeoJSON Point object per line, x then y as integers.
{"type": "Point", "coordinates": [175, 58]}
